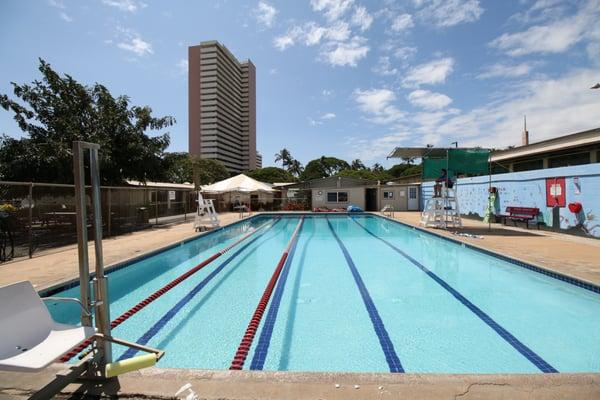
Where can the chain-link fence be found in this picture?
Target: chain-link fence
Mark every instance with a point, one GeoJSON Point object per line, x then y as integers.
{"type": "Point", "coordinates": [41, 216]}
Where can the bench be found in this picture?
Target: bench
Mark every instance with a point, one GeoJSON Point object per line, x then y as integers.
{"type": "Point", "coordinates": [523, 214]}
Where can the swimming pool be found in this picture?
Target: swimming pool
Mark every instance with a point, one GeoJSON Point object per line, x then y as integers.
{"type": "Point", "coordinates": [356, 293]}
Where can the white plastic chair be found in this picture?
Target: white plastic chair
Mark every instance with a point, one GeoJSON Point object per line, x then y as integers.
{"type": "Point", "coordinates": [30, 339]}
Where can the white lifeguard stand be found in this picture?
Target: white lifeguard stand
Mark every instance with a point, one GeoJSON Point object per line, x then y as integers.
{"type": "Point", "coordinates": [443, 211]}
{"type": "Point", "coordinates": [206, 216]}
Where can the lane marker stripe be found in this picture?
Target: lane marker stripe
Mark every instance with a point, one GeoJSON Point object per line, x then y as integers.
{"type": "Point", "coordinates": [150, 333]}
{"type": "Point", "coordinates": [384, 338]}
{"type": "Point", "coordinates": [262, 347]}
{"type": "Point", "coordinates": [538, 361]}
{"type": "Point", "coordinates": [139, 306]}
{"type": "Point", "coordinates": [242, 351]}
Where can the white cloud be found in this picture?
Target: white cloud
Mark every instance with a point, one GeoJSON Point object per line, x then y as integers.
{"type": "Point", "coordinates": [375, 149]}
{"type": "Point", "coordinates": [57, 4]}
{"type": "Point", "coordinates": [311, 34]}
{"type": "Point", "coordinates": [553, 107]}
{"type": "Point", "coordinates": [384, 67]}
{"type": "Point", "coordinates": [379, 105]}
{"type": "Point", "coordinates": [362, 18]}
{"type": "Point", "coordinates": [272, 71]}
{"type": "Point", "coordinates": [554, 37]}
{"type": "Point", "coordinates": [328, 115]}
{"type": "Point", "coordinates": [402, 22]}
{"type": "Point", "coordinates": [265, 13]}
{"type": "Point", "coordinates": [506, 71]}
{"type": "Point", "coordinates": [332, 9]}
{"type": "Point", "coordinates": [445, 13]}
{"type": "Point", "coordinates": [314, 122]}
{"type": "Point", "coordinates": [66, 17]}
{"type": "Point", "coordinates": [404, 53]}
{"type": "Point", "coordinates": [131, 6]}
{"type": "Point", "coordinates": [433, 72]}
{"type": "Point", "coordinates": [429, 100]}
{"type": "Point", "coordinates": [136, 45]}
{"type": "Point", "coordinates": [182, 66]}
{"type": "Point", "coordinates": [289, 39]}
{"type": "Point", "coordinates": [327, 93]}
{"type": "Point", "coordinates": [345, 53]}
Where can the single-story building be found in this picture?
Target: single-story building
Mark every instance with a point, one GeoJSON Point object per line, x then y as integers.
{"type": "Point", "coordinates": [341, 191]}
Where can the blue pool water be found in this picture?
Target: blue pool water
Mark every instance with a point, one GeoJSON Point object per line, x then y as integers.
{"type": "Point", "coordinates": [358, 293]}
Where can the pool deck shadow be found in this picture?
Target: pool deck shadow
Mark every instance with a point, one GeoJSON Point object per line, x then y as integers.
{"type": "Point", "coordinates": [155, 383]}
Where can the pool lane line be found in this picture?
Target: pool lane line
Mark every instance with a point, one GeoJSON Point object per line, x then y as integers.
{"type": "Point", "coordinates": [158, 325]}
{"type": "Point", "coordinates": [528, 353]}
{"type": "Point", "coordinates": [384, 338]}
{"type": "Point", "coordinates": [242, 351]}
{"type": "Point", "coordinates": [139, 306]}
{"type": "Point", "coordinates": [264, 340]}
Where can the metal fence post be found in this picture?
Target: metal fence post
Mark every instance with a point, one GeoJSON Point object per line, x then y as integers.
{"type": "Point", "coordinates": [185, 204]}
{"type": "Point", "coordinates": [156, 206]}
{"type": "Point", "coordinates": [30, 220]}
{"type": "Point", "coordinates": [109, 201]}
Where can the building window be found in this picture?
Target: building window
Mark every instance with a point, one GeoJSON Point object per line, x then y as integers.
{"type": "Point", "coordinates": [388, 195]}
{"type": "Point", "coordinates": [528, 165]}
{"type": "Point", "coordinates": [570, 159]}
{"type": "Point", "coordinates": [337, 197]}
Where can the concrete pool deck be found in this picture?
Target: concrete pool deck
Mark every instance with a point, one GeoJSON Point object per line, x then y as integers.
{"type": "Point", "coordinates": [569, 255]}
{"type": "Point", "coordinates": [154, 383]}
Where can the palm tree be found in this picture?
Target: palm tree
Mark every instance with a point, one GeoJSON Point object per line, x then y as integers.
{"type": "Point", "coordinates": [357, 165]}
{"type": "Point", "coordinates": [284, 156]}
{"type": "Point", "coordinates": [377, 168]}
{"type": "Point", "coordinates": [295, 167]}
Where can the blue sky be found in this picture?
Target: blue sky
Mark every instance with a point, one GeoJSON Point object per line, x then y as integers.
{"type": "Point", "coordinates": [346, 78]}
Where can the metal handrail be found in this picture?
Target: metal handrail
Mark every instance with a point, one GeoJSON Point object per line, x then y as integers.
{"type": "Point", "coordinates": [70, 300]}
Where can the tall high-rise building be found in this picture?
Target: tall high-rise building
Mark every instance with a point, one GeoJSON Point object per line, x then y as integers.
{"type": "Point", "coordinates": [222, 107]}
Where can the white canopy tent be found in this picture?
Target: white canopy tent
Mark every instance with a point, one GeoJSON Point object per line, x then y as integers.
{"type": "Point", "coordinates": [239, 183]}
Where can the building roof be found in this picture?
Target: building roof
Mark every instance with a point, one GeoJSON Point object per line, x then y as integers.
{"type": "Point", "coordinates": [161, 185]}
{"type": "Point", "coordinates": [584, 138]}
{"type": "Point", "coordinates": [332, 181]}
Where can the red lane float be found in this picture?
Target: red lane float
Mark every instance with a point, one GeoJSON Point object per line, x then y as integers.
{"type": "Point", "coordinates": [127, 314]}
{"type": "Point", "coordinates": [242, 352]}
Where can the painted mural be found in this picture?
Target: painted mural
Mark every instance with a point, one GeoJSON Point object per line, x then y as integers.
{"type": "Point", "coordinates": [581, 210]}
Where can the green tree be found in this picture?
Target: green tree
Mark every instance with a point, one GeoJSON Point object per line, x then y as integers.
{"type": "Point", "coordinates": [295, 168]}
{"type": "Point", "coordinates": [208, 171]}
{"type": "Point", "coordinates": [323, 167]}
{"type": "Point", "coordinates": [377, 168]}
{"type": "Point", "coordinates": [271, 175]}
{"type": "Point", "coordinates": [357, 165]}
{"type": "Point", "coordinates": [58, 110]}
{"type": "Point", "coordinates": [178, 167]}
{"type": "Point", "coordinates": [284, 156]}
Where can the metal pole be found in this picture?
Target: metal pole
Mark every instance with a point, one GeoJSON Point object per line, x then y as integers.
{"type": "Point", "coordinates": [185, 201]}
{"type": "Point", "coordinates": [100, 283]}
{"type": "Point", "coordinates": [30, 232]}
{"type": "Point", "coordinates": [490, 187]}
{"type": "Point", "coordinates": [109, 201]}
{"type": "Point", "coordinates": [82, 248]}
{"type": "Point", "coordinates": [156, 207]}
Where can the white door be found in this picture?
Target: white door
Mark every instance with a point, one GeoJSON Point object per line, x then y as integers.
{"type": "Point", "coordinates": [413, 198]}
